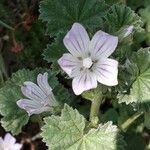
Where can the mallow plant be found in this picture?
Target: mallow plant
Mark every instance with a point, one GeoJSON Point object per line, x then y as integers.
{"type": "Point", "coordinates": [95, 92]}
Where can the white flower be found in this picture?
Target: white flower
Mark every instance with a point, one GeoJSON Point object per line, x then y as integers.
{"type": "Point", "coordinates": [9, 143]}
{"type": "Point", "coordinates": [88, 61]}
{"type": "Point", "coordinates": [40, 97]}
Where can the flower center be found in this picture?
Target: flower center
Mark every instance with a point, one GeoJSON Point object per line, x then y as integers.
{"type": "Point", "coordinates": [87, 62]}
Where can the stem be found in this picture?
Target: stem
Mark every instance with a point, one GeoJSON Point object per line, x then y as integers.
{"type": "Point", "coordinates": [3, 68]}
{"type": "Point", "coordinates": [37, 136]}
{"type": "Point", "coordinates": [94, 112]}
{"type": "Point", "coordinates": [130, 120]}
{"type": "Point", "coordinates": [6, 25]}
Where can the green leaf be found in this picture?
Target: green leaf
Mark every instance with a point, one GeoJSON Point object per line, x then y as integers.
{"type": "Point", "coordinates": [127, 75]}
{"type": "Point", "coordinates": [54, 51]}
{"type": "Point", "coordinates": [111, 114]}
{"type": "Point", "coordinates": [139, 69]}
{"type": "Point", "coordinates": [134, 141]}
{"type": "Point", "coordinates": [145, 14]}
{"type": "Point", "coordinates": [135, 4]}
{"type": "Point", "coordinates": [61, 14]}
{"type": "Point", "coordinates": [146, 3]}
{"type": "Point", "coordinates": [62, 95]}
{"type": "Point", "coordinates": [5, 14]}
{"type": "Point", "coordinates": [67, 132]}
{"type": "Point", "coordinates": [33, 47]}
{"type": "Point", "coordinates": [119, 16]}
{"type": "Point", "coordinates": [15, 118]}
{"type": "Point", "coordinates": [111, 2]}
{"type": "Point", "coordinates": [146, 17]}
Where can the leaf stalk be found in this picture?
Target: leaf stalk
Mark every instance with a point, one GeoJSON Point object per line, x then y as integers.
{"type": "Point", "coordinates": [131, 120]}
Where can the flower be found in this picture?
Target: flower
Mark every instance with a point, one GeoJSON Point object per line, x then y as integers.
{"type": "Point", "coordinates": [9, 143]}
{"type": "Point", "coordinates": [88, 61]}
{"type": "Point", "coordinates": [40, 97]}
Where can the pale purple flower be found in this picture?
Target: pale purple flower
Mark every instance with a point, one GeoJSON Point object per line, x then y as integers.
{"type": "Point", "coordinates": [88, 60]}
{"type": "Point", "coordinates": [40, 98]}
{"type": "Point", "coordinates": [9, 143]}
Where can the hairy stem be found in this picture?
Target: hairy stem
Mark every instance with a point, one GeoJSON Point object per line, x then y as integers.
{"type": "Point", "coordinates": [131, 120]}
{"type": "Point", "coordinates": [94, 112]}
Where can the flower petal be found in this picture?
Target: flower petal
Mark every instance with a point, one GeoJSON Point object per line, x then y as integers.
{"type": "Point", "coordinates": [32, 106]}
{"type": "Point", "coordinates": [42, 81]}
{"type": "Point", "coordinates": [103, 45]}
{"type": "Point", "coordinates": [77, 41]}
{"type": "Point", "coordinates": [51, 101]}
{"type": "Point", "coordinates": [9, 139]}
{"type": "Point", "coordinates": [106, 71]}
{"type": "Point", "coordinates": [32, 91]}
{"type": "Point", "coordinates": [9, 143]}
{"type": "Point", "coordinates": [1, 143]}
{"type": "Point", "coordinates": [25, 103]}
{"type": "Point", "coordinates": [17, 146]}
{"type": "Point", "coordinates": [67, 62]}
{"type": "Point", "coordinates": [84, 82]}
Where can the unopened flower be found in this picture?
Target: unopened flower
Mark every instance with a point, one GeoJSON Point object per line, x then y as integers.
{"type": "Point", "coordinates": [9, 143]}
{"type": "Point", "coordinates": [40, 98]}
{"type": "Point", "coordinates": [88, 60]}
{"type": "Point", "coordinates": [127, 31]}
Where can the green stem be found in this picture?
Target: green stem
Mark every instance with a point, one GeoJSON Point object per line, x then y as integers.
{"type": "Point", "coordinates": [6, 25]}
{"type": "Point", "coordinates": [94, 112]}
{"type": "Point", "coordinates": [130, 120]}
{"type": "Point", "coordinates": [3, 68]}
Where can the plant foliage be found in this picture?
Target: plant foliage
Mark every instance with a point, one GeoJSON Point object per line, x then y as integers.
{"type": "Point", "coordinates": [61, 14]}
{"type": "Point", "coordinates": [11, 93]}
{"type": "Point", "coordinates": [139, 68]}
{"type": "Point", "coordinates": [119, 16]}
{"type": "Point", "coordinates": [67, 132]}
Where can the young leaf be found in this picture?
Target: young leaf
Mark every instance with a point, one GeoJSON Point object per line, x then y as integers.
{"type": "Point", "coordinates": [119, 16]}
{"type": "Point", "coordinates": [67, 133]}
{"type": "Point", "coordinates": [15, 118]}
{"type": "Point", "coordinates": [61, 14]}
{"type": "Point", "coordinates": [140, 88]}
